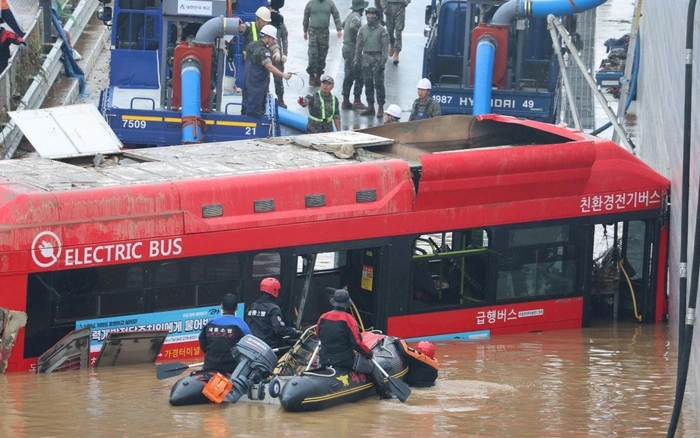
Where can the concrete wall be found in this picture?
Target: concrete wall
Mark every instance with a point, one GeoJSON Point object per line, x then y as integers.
{"type": "Point", "coordinates": [660, 117]}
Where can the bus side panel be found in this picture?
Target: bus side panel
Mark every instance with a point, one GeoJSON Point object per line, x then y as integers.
{"type": "Point", "coordinates": [14, 297]}
{"type": "Point", "coordinates": [661, 299]}
{"type": "Point", "coordinates": [556, 314]}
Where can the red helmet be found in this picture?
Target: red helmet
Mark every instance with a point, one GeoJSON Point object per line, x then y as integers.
{"type": "Point", "coordinates": [426, 348]}
{"type": "Point", "coordinates": [271, 286]}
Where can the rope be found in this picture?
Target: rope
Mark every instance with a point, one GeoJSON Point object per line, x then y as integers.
{"type": "Point", "coordinates": [629, 283]}
{"type": "Point", "coordinates": [197, 122]}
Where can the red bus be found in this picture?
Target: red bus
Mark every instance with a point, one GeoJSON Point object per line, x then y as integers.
{"type": "Point", "coordinates": [441, 227]}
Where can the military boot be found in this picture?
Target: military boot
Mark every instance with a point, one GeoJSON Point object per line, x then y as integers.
{"type": "Point", "coordinates": [312, 80]}
{"type": "Point", "coordinates": [380, 111]}
{"type": "Point", "coordinates": [369, 111]}
{"type": "Point", "coordinates": [358, 105]}
{"type": "Point", "coordinates": [391, 50]}
{"type": "Point", "coordinates": [280, 101]}
{"type": "Point", "coordinates": [396, 57]}
{"type": "Point", "coordinates": [346, 103]}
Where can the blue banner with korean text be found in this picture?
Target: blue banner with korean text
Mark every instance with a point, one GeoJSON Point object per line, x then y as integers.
{"type": "Point", "coordinates": [183, 325]}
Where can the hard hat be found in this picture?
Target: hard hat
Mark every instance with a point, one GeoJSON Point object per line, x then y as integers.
{"type": "Point", "coordinates": [271, 286]}
{"type": "Point", "coordinates": [269, 30]}
{"type": "Point", "coordinates": [394, 110]}
{"type": "Point", "coordinates": [424, 84]}
{"type": "Point", "coordinates": [264, 14]}
{"type": "Point", "coordinates": [426, 347]}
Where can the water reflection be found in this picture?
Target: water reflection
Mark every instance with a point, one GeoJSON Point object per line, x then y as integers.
{"type": "Point", "coordinates": [612, 380]}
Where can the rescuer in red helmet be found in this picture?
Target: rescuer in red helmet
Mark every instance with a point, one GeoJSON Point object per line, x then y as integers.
{"type": "Point", "coordinates": [264, 317]}
{"type": "Point", "coordinates": [426, 348]}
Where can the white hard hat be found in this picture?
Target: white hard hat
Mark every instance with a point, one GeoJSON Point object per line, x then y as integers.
{"type": "Point", "coordinates": [424, 84]}
{"type": "Point", "coordinates": [264, 14]}
{"type": "Point", "coordinates": [394, 110]}
{"type": "Point", "coordinates": [269, 30]}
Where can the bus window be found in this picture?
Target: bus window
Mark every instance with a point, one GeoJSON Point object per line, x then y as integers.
{"type": "Point", "coordinates": [450, 269]}
{"type": "Point", "coordinates": [325, 261]}
{"type": "Point", "coordinates": [267, 264]}
{"type": "Point", "coordinates": [536, 272]}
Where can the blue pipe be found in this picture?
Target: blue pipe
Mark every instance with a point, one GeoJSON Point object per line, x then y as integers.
{"type": "Point", "coordinates": [483, 75]}
{"type": "Point", "coordinates": [191, 101]}
{"type": "Point", "coordinates": [291, 119]}
{"type": "Point", "coordinates": [633, 88]}
{"type": "Point", "coordinates": [542, 8]}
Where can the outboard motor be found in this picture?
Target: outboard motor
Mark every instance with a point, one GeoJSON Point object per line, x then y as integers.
{"type": "Point", "coordinates": [256, 361]}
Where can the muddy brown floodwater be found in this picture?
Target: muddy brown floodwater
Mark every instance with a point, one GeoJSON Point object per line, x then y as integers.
{"type": "Point", "coordinates": [611, 380]}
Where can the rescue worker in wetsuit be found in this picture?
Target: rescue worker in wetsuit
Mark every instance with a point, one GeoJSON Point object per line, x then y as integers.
{"type": "Point", "coordinates": [424, 107]}
{"type": "Point", "coordinates": [264, 318]}
{"type": "Point", "coordinates": [220, 335]}
{"type": "Point", "coordinates": [256, 74]}
{"type": "Point", "coordinates": [340, 338]}
{"type": "Point", "coordinates": [323, 108]}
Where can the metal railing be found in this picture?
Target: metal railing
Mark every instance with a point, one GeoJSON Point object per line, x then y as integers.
{"type": "Point", "coordinates": [39, 83]}
{"type": "Point", "coordinates": [20, 71]}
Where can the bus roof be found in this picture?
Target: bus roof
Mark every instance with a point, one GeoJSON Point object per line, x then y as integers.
{"type": "Point", "coordinates": [472, 171]}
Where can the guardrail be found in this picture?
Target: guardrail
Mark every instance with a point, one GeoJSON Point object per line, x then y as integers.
{"type": "Point", "coordinates": [11, 135]}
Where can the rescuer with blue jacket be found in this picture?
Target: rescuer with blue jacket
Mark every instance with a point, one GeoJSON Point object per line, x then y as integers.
{"type": "Point", "coordinates": [220, 335]}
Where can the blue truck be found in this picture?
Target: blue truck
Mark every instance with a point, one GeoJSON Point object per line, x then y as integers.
{"type": "Point", "coordinates": [166, 87]}
{"type": "Point", "coordinates": [525, 73]}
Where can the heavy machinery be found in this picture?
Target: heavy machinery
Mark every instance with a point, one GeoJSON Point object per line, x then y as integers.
{"type": "Point", "coordinates": [172, 81]}
{"type": "Point", "coordinates": [509, 66]}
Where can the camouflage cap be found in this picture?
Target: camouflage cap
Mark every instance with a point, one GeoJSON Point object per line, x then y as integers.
{"type": "Point", "coordinates": [328, 79]}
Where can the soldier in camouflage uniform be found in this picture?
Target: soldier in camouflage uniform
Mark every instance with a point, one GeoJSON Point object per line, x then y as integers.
{"type": "Point", "coordinates": [371, 53]}
{"type": "Point", "coordinates": [282, 40]}
{"type": "Point", "coordinates": [317, 15]}
{"type": "Point", "coordinates": [395, 11]}
{"type": "Point", "coordinates": [424, 107]}
{"type": "Point", "coordinates": [323, 108]}
{"type": "Point", "coordinates": [351, 26]}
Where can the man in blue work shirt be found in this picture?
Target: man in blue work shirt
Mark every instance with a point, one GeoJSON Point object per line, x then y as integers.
{"type": "Point", "coordinates": [220, 335]}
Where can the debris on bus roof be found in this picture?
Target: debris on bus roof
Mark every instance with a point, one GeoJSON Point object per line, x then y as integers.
{"type": "Point", "coordinates": [207, 160]}
{"type": "Point", "coordinates": [67, 131]}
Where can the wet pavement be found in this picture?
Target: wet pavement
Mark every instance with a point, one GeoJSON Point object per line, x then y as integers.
{"type": "Point", "coordinates": [400, 80]}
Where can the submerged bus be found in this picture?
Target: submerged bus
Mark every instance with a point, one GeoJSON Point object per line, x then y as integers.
{"type": "Point", "coordinates": [441, 227]}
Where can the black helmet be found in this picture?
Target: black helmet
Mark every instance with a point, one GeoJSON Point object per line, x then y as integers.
{"type": "Point", "coordinates": [372, 10]}
{"type": "Point", "coordinates": [341, 298]}
{"type": "Point", "coordinates": [359, 5]}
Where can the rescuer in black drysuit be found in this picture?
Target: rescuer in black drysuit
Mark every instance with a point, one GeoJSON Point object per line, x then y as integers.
{"type": "Point", "coordinates": [340, 338]}
{"type": "Point", "coordinates": [264, 318]}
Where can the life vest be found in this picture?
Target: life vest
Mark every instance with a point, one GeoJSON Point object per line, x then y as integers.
{"type": "Point", "coordinates": [323, 110]}
{"type": "Point", "coordinates": [422, 370]}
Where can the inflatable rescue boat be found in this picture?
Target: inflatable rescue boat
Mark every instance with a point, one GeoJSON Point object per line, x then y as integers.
{"type": "Point", "coordinates": [322, 388]}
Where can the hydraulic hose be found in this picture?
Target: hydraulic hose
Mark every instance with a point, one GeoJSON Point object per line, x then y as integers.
{"type": "Point", "coordinates": [685, 340]}
{"type": "Point", "coordinates": [190, 88]}
{"type": "Point", "coordinates": [483, 74]}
